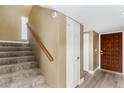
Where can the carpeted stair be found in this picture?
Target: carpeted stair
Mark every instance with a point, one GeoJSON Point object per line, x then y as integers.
{"type": "Point", "coordinates": [18, 67]}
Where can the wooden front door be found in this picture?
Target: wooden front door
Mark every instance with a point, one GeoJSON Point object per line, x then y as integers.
{"type": "Point", "coordinates": [111, 52]}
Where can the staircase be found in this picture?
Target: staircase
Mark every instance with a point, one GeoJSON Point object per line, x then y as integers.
{"type": "Point", "coordinates": [18, 67]}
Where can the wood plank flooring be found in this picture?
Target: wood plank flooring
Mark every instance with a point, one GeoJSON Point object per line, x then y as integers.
{"type": "Point", "coordinates": [103, 79]}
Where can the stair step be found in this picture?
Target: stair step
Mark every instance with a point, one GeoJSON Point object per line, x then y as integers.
{"type": "Point", "coordinates": [18, 66]}
{"type": "Point", "coordinates": [17, 76]}
{"type": "Point", "coordinates": [15, 53]}
{"type": "Point", "coordinates": [10, 48]}
{"type": "Point", "coordinates": [30, 82]}
{"type": "Point", "coordinates": [13, 60]}
{"type": "Point", "coordinates": [5, 69]}
{"type": "Point", "coordinates": [17, 44]}
{"type": "Point", "coordinates": [40, 86]}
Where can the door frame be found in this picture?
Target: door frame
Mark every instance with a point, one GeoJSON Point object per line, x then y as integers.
{"type": "Point", "coordinates": [122, 49]}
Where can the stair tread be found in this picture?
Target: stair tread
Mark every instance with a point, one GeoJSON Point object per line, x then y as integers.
{"type": "Point", "coordinates": [5, 54]}
{"type": "Point", "coordinates": [14, 47]}
{"type": "Point", "coordinates": [11, 43]}
{"type": "Point", "coordinates": [5, 69]}
{"type": "Point", "coordinates": [7, 65]}
{"type": "Point", "coordinates": [30, 82]}
{"type": "Point", "coordinates": [18, 76]}
{"type": "Point", "coordinates": [15, 51]}
{"type": "Point", "coordinates": [18, 67]}
{"type": "Point", "coordinates": [33, 79]}
{"type": "Point", "coordinates": [18, 57]}
{"type": "Point", "coordinates": [19, 72]}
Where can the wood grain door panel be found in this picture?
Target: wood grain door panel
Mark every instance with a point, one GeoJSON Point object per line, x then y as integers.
{"type": "Point", "coordinates": [111, 52]}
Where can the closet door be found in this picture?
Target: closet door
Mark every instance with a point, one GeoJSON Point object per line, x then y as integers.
{"type": "Point", "coordinates": [73, 53]}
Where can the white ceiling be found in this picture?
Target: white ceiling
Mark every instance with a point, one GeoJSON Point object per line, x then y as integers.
{"type": "Point", "coordinates": [101, 18]}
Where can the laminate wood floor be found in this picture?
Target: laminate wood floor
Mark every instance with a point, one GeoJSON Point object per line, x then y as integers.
{"type": "Point", "coordinates": [103, 79]}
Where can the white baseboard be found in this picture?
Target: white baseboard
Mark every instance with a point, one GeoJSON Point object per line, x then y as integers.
{"type": "Point", "coordinates": [93, 71]}
{"type": "Point", "coordinates": [118, 73]}
{"type": "Point", "coordinates": [81, 80]}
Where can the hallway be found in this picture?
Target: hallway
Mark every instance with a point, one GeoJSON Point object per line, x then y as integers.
{"type": "Point", "coordinates": [103, 79]}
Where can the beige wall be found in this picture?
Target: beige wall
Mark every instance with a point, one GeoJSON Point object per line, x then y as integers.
{"type": "Point", "coordinates": [62, 50]}
{"type": "Point", "coordinates": [52, 32]}
{"type": "Point", "coordinates": [81, 51]}
{"type": "Point", "coordinates": [94, 55]}
{"type": "Point", "coordinates": [10, 19]}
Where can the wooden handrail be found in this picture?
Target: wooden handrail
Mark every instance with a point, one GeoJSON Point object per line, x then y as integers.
{"type": "Point", "coordinates": [40, 44]}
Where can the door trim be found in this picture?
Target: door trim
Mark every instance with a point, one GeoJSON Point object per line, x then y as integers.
{"type": "Point", "coordinates": [122, 49]}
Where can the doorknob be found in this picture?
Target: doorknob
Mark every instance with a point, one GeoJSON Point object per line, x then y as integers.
{"type": "Point", "coordinates": [101, 52]}
{"type": "Point", "coordinates": [78, 58]}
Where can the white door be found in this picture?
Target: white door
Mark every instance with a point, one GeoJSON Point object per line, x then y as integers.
{"type": "Point", "coordinates": [73, 53]}
{"type": "Point", "coordinates": [24, 29]}
{"type": "Point", "coordinates": [86, 52]}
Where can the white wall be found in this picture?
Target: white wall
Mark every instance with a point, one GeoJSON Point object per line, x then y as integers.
{"type": "Point", "coordinates": [86, 52]}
